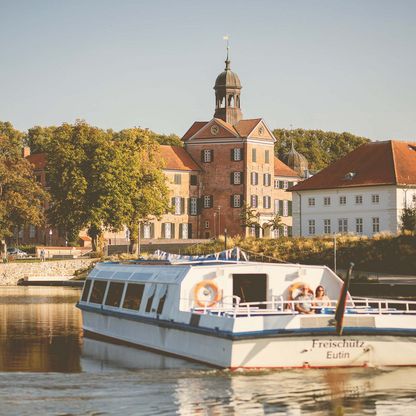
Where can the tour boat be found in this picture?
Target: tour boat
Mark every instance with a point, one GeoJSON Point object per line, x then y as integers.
{"type": "Point", "coordinates": [233, 313]}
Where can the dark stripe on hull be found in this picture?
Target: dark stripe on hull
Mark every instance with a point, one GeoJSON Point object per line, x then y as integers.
{"type": "Point", "coordinates": [272, 333]}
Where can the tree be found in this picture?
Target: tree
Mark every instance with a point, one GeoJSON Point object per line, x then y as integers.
{"type": "Point", "coordinates": [275, 223]}
{"type": "Point", "coordinates": [21, 197]}
{"type": "Point", "coordinates": [320, 148]}
{"type": "Point", "coordinates": [249, 217]}
{"type": "Point", "coordinates": [39, 138]}
{"type": "Point", "coordinates": [147, 190]}
{"type": "Point", "coordinates": [408, 219]}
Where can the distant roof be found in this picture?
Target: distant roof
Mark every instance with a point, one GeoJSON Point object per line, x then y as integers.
{"type": "Point", "coordinates": [280, 169]}
{"type": "Point", "coordinates": [245, 127]}
{"type": "Point", "coordinates": [177, 158]}
{"type": "Point", "coordinates": [38, 160]}
{"type": "Point", "coordinates": [375, 163]}
{"type": "Point", "coordinates": [194, 128]}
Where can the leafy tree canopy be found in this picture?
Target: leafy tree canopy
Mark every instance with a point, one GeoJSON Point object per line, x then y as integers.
{"type": "Point", "coordinates": [320, 148]}
{"type": "Point", "coordinates": [21, 197]}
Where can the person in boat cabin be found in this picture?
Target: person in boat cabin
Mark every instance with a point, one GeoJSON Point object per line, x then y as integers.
{"type": "Point", "coordinates": [321, 300]}
{"type": "Point", "coordinates": [305, 299]}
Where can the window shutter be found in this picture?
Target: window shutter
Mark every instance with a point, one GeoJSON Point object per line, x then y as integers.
{"type": "Point", "coordinates": [281, 184]}
{"type": "Point", "coordinates": [163, 229]}
{"type": "Point", "coordinates": [189, 206]}
{"type": "Point", "coordinates": [289, 208]}
{"type": "Point", "coordinates": [241, 200]}
{"type": "Point", "coordinates": [182, 205]}
{"type": "Point", "coordinates": [232, 154]}
{"type": "Point", "coordinates": [172, 201]}
{"type": "Point", "coordinates": [202, 155]}
{"type": "Point", "coordinates": [289, 231]}
{"type": "Point", "coordinates": [152, 230]}
{"type": "Point", "coordinates": [290, 184]}
{"type": "Point", "coordinates": [189, 230]}
{"type": "Point", "coordinates": [280, 207]}
{"type": "Point", "coordinates": [242, 154]}
{"type": "Point", "coordinates": [212, 155]}
{"type": "Point", "coordinates": [242, 178]}
{"type": "Point", "coordinates": [180, 230]}
{"type": "Point", "coordinates": [172, 230]}
{"type": "Point", "coordinates": [232, 201]}
{"type": "Point", "coordinates": [232, 178]}
{"type": "Point", "coordinates": [211, 201]}
{"type": "Point", "coordinates": [199, 205]}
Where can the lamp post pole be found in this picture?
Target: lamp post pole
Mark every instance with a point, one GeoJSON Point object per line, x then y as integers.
{"type": "Point", "coordinates": [335, 253]}
{"type": "Point", "coordinates": [225, 239]}
{"type": "Point", "coordinates": [50, 237]}
{"type": "Point", "coordinates": [219, 220]}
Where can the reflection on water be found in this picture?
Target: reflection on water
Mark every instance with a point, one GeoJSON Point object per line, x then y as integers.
{"type": "Point", "coordinates": [47, 368]}
{"type": "Point", "coordinates": [40, 329]}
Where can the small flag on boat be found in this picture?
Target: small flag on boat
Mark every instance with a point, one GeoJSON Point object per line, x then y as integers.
{"type": "Point", "coordinates": [340, 311]}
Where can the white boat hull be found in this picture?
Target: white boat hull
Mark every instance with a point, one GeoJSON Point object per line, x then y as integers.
{"type": "Point", "coordinates": [279, 351]}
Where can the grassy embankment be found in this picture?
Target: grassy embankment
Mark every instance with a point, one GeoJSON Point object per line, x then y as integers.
{"type": "Point", "coordinates": [381, 254]}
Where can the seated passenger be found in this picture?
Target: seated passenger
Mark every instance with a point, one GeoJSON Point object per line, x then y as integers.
{"type": "Point", "coordinates": [305, 299]}
{"type": "Point", "coordinates": [321, 300]}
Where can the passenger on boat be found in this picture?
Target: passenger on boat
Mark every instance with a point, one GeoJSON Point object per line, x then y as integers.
{"type": "Point", "coordinates": [321, 300]}
{"type": "Point", "coordinates": [305, 299]}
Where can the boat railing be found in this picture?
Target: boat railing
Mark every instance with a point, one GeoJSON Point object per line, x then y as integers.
{"type": "Point", "coordinates": [231, 306]}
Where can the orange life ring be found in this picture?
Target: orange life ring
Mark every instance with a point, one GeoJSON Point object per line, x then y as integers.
{"type": "Point", "coordinates": [295, 287]}
{"type": "Point", "coordinates": [208, 285]}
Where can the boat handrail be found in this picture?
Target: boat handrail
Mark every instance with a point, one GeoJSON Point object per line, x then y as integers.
{"type": "Point", "coordinates": [278, 306]}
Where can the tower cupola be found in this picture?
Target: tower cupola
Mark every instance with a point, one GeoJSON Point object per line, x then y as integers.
{"type": "Point", "coordinates": [227, 95]}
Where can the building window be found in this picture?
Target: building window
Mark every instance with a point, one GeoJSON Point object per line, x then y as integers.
{"type": "Point", "coordinates": [276, 206]}
{"type": "Point", "coordinates": [327, 226]}
{"type": "Point", "coordinates": [276, 184]}
{"type": "Point", "coordinates": [359, 225]}
{"type": "Point", "coordinates": [193, 206]}
{"type": "Point", "coordinates": [266, 156]}
{"type": "Point", "coordinates": [32, 231]}
{"type": "Point", "coordinates": [146, 231]}
{"type": "Point", "coordinates": [342, 225]}
{"type": "Point", "coordinates": [177, 204]}
{"type": "Point", "coordinates": [167, 230]}
{"type": "Point", "coordinates": [207, 155]}
{"type": "Point", "coordinates": [184, 231]}
{"type": "Point", "coordinates": [285, 230]}
{"type": "Point", "coordinates": [267, 201]}
{"type": "Point", "coordinates": [236, 154]}
{"type": "Point", "coordinates": [254, 201]}
{"type": "Point", "coordinates": [311, 202]}
{"type": "Point", "coordinates": [375, 198]}
{"type": "Point", "coordinates": [253, 155]}
{"type": "Point", "coordinates": [236, 178]}
{"type": "Point", "coordinates": [194, 180]}
{"type": "Point", "coordinates": [327, 200]}
{"type": "Point", "coordinates": [206, 224]}
{"type": "Point", "coordinates": [358, 199]}
{"type": "Point", "coordinates": [285, 184]}
{"type": "Point", "coordinates": [311, 224]}
{"type": "Point", "coordinates": [208, 201]}
{"type": "Point", "coordinates": [267, 178]}
{"type": "Point", "coordinates": [376, 224]}
{"type": "Point", "coordinates": [342, 200]}
{"type": "Point", "coordinates": [285, 208]}
{"type": "Point", "coordinates": [254, 178]}
{"type": "Point", "coordinates": [177, 179]}
{"type": "Point", "coordinates": [236, 201]}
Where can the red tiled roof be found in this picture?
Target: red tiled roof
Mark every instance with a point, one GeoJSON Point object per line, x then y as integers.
{"type": "Point", "coordinates": [38, 160]}
{"type": "Point", "coordinates": [281, 169]}
{"type": "Point", "coordinates": [245, 127]}
{"type": "Point", "coordinates": [177, 158]}
{"type": "Point", "coordinates": [376, 163]}
{"type": "Point", "coordinates": [194, 129]}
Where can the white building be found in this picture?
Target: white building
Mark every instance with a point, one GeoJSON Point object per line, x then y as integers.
{"type": "Point", "coordinates": [363, 193]}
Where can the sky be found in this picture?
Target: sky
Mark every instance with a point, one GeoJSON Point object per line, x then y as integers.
{"type": "Point", "coordinates": [333, 65]}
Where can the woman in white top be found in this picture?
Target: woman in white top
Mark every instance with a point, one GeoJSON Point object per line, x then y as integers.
{"type": "Point", "coordinates": [321, 300]}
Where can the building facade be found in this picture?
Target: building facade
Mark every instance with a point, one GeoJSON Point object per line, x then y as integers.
{"type": "Point", "coordinates": [226, 164]}
{"type": "Point", "coordinates": [363, 193]}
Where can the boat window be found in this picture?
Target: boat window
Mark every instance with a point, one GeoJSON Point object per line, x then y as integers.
{"type": "Point", "coordinates": [250, 287]}
{"type": "Point", "coordinates": [114, 294]}
{"type": "Point", "coordinates": [86, 291]}
{"type": "Point", "coordinates": [162, 301]}
{"type": "Point", "coordinates": [133, 296]}
{"type": "Point", "coordinates": [150, 300]}
{"type": "Point", "coordinates": [98, 290]}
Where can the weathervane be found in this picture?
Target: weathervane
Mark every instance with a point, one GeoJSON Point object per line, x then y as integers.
{"type": "Point", "coordinates": [227, 61]}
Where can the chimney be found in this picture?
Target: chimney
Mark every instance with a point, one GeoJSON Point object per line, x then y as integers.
{"type": "Point", "coordinates": [26, 151]}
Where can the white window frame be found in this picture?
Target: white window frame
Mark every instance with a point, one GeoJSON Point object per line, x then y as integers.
{"type": "Point", "coordinates": [285, 230]}
{"type": "Point", "coordinates": [285, 208]}
{"type": "Point", "coordinates": [206, 224]}
{"type": "Point", "coordinates": [177, 205]}
{"type": "Point", "coordinates": [185, 229]}
{"type": "Point", "coordinates": [255, 199]}
{"type": "Point", "coordinates": [276, 184]}
{"type": "Point", "coordinates": [168, 229]}
{"type": "Point", "coordinates": [342, 225]}
{"type": "Point", "coordinates": [237, 201]}
{"type": "Point", "coordinates": [285, 184]}
{"type": "Point", "coordinates": [359, 225]}
{"type": "Point", "coordinates": [207, 155]}
{"type": "Point", "coordinates": [207, 201]}
{"type": "Point", "coordinates": [311, 202]}
{"type": "Point", "coordinates": [358, 199]}
{"type": "Point", "coordinates": [193, 202]}
{"type": "Point", "coordinates": [237, 178]}
{"type": "Point", "coordinates": [146, 230]}
{"type": "Point", "coordinates": [343, 200]}
{"type": "Point", "coordinates": [375, 198]}
{"type": "Point", "coordinates": [312, 227]}
{"type": "Point", "coordinates": [376, 224]}
{"type": "Point", "coordinates": [237, 154]}
{"type": "Point", "coordinates": [327, 201]}
{"type": "Point", "coordinates": [327, 226]}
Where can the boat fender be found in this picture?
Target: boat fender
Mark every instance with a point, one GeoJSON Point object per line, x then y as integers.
{"type": "Point", "coordinates": [294, 289]}
{"type": "Point", "coordinates": [208, 286]}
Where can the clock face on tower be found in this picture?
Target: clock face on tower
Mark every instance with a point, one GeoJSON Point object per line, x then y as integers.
{"type": "Point", "coordinates": [215, 130]}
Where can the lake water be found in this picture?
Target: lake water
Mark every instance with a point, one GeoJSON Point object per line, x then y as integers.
{"type": "Point", "coordinates": [48, 368]}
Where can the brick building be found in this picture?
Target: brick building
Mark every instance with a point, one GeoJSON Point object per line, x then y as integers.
{"type": "Point", "coordinates": [225, 163]}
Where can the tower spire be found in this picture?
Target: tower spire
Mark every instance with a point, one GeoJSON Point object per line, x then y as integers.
{"type": "Point", "coordinates": [227, 61]}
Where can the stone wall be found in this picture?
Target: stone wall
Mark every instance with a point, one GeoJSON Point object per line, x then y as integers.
{"type": "Point", "coordinates": [10, 273]}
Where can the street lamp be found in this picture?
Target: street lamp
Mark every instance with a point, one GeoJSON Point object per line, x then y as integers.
{"type": "Point", "coordinates": [50, 237]}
